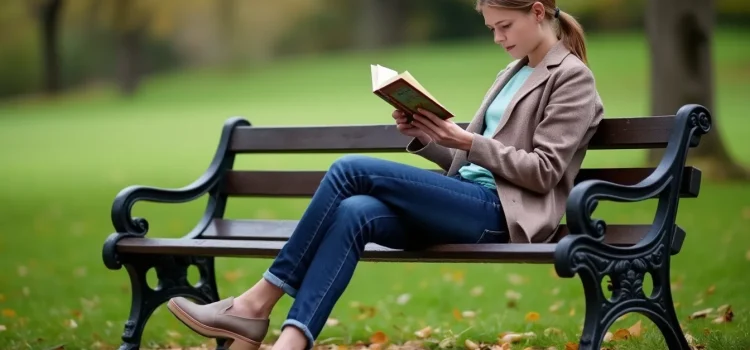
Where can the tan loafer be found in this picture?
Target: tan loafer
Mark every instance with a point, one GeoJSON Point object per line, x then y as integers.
{"type": "Point", "coordinates": [212, 320]}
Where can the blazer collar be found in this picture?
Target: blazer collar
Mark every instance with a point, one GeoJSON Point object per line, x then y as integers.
{"type": "Point", "coordinates": [554, 57]}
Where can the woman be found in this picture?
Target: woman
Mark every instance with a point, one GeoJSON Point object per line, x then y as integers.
{"type": "Point", "coordinates": [507, 178]}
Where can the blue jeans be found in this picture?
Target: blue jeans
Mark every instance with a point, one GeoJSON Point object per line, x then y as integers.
{"type": "Point", "coordinates": [363, 199]}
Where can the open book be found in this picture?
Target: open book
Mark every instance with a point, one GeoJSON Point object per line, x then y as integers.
{"type": "Point", "coordinates": [404, 93]}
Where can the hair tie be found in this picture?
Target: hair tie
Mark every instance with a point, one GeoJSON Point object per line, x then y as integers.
{"type": "Point", "coordinates": [557, 12]}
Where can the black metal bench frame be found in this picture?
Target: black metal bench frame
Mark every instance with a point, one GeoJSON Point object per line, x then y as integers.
{"type": "Point", "coordinates": [585, 246]}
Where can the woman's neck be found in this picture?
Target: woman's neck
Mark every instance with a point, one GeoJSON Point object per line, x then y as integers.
{"type": "Point", "coordinates": [541, 50]}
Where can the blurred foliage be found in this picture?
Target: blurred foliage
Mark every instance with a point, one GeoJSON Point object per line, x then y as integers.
{"type": "Point", "coordinates": [176, 34]}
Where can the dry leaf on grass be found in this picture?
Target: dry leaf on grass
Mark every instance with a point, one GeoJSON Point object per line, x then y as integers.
{"type": "Point", "coordinates": [636, 329]}
{"type": "Point", "coordinates": [3, 328]}
{"type": "Point", "coordinates": [571, 346]}
{"type": "Point", "coordinates": [556, 306]}
{"type": "Point", "coordinates": [700, 314]}
{"type": "Point", "coordinates": [510, 337]}
{"type": "Point", "coordinates": [621, 334]}
{"type": "Point", "coordinates": [424, 332]}
{"type": "Point", "coordinates": [726, 317]}
{"type": "Point", "coordinates": [516, 279]}
{"type": "Point", "coordinates": [550, 331]}
{"type": "Point", "coordinates": [471, 345]}
{"type": "Point", "coordinates": [532, 316]}
{"type": "Point", "coordinates": [173, 334]}
{"type": "Point", "coordinates": [476, 291]}
{"type": "Point", "coordinates": [403, 299]}
{"type": "Point", "coordinates": [379, 337]}
{"type": "Point", "coordinates": [608, 337]}
{"type": "Point", "coordinates": [9, 313]}
{"type": "Point", "coordinates": [332, 322]}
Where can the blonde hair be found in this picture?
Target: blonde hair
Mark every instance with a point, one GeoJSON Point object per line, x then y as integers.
{"type": "Point", "coordinates": [569, 31]}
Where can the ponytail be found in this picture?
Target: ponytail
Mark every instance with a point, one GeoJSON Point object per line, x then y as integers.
{"type": "Point", "coordinates": [571, 34]}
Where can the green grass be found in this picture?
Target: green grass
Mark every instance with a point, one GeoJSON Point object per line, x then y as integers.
{"type": "Point", "coordinates": [64, 160]}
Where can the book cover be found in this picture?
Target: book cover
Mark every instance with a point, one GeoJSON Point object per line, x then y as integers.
{"type": "Point", "coordinates": [403, 92]}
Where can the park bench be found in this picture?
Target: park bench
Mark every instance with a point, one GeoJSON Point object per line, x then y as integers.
{"type": "Point", "coordinates": [622, 253]}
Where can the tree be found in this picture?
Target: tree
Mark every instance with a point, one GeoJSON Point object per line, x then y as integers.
{"type": "Point", "coordinates": [680, 34]}
{"type": "Point", "coordinates": [47, 13]}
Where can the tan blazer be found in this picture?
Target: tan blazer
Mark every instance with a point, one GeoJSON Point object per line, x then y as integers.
{"type": "Point", "coordinates": [537, 150]}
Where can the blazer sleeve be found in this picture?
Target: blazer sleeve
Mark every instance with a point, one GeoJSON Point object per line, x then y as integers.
{"type": "Point", "coordinates": [442, 156]}
{"type": "Point", "coordinates": [567, 118]}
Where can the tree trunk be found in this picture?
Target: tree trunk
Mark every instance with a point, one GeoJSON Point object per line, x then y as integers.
{"type": "Point", "coordinates": [49, 19]}
{"type": "Point", "coordinates": [680, 34]}
{"type": "Point", "coordinates": [130, 29]}
{"type": "Point", "coordinates": [381, 23]}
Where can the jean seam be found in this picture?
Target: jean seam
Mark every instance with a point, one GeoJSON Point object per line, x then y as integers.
{"type": "Point", "coordinates": [433, 186]}
{"type": "Point", "coordinates": [317, 229]}
{"type": "Point", "coordinates": [328, 287]}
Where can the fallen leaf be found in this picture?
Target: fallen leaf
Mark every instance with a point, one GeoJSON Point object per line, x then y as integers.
{"type": "Point", "coordinates": [511, 338]}
{"type": "Point", "coordinates": [636, 329]}
{"type": "Point", "coordinates": [332, 322]}
{"type": "Point", "coordinates": [468, 314]}
{"type": "Point", "coordinates": [366, 312]}
{"type": "Point", "coordinates": [9, 313]}
{"type": "Point", "coordinates": [424, 332]}
{"type": "Point", "coordinates": [689, 338]}
{"type": "Point", "coordinates": [23, 270]}
{"type": "Point", "coordinates": [476, 291]}
{"type": "Point", "coordinates": [722, 308]}
{"type": "Point", "coordinates": [3, 328]}
{"type": "Point", "coordinates": [403, 298]}
{"type": "Point", "coordinates": [550, 331]}
{"type": "Point", "coordinates": [471, 345]}
{"type": "Point", "coordinates": [726, 317]}
{"type": "Point", "coordinates": [173, 334]}
{"type": "Point", "coordinates": [711, 290]}
{"type": "Point", "coordinates": [700, 314]}
{"type": "Point", "coordinates": [556, 306]}
{"type": "Point", "coordinates": [516, 279]}
{"type": "Point", "coordinates": [532, 317]}
{"type": "Point", "coordinates": [457, 314]}
{"type": "Point", "coordinates": [572, 312]}
{"type": "Point", "coordinates": [571, 346]}
{"type": "Point", "coordinates": [379, 337]}
{"type": "Point", "coordinates": [71, 323]}
{"type": "Point", "coordinates": [608, 337]}
{"type": "Point", "coordinates": [621, 334]}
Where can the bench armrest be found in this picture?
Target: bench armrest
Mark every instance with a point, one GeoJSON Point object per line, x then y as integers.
{"type": "Point", "coordinates": [210, 182]}
{"type": "Point", "coordinates": [587, 234]}
{"type": "Point", "coordinates": [691, 122]}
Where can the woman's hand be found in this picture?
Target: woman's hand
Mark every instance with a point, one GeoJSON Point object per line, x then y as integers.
{"type": "Point", "coordinates": [443, 132]}
{"type": "Point", "coordinates": [408, 129]}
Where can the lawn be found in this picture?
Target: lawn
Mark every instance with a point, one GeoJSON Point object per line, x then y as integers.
{"type": "Point", "coordinates": [64, 160]}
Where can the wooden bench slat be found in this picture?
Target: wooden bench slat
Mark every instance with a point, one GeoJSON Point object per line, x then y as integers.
{"type": "Point", "coordinates": [281, 230]}
{"type": "Point", "coordinates": [508, 253]}
{"type": "Point", "coordinates": [616, 133]}
{"type": "Point", "coordinates": [304, 183]}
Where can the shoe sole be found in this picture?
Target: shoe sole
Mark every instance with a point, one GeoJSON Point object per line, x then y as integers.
{"type": "Point", "coordinates": [234, 341]}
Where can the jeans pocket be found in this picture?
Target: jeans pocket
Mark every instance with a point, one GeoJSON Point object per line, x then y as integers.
{"type": "Point", "coordinates": [491, 236]}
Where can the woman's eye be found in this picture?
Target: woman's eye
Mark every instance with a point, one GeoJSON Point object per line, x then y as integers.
{"type": "Point", "coordinates": [507, 26]}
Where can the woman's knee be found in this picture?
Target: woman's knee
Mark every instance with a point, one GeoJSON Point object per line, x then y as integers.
{"type": "Point", "coordinates": [363, 211]}
{"type": "Point", "coordinates": [352, 163]}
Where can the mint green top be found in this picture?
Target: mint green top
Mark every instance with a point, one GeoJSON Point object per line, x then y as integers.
{"type": "Point", "coordinates": [492, 118]}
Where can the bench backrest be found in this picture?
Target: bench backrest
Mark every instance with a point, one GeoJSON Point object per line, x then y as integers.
{"type": "Point", "coordinates": [241, 138]}
{"type": "Point", "coordinates": [624, 133]}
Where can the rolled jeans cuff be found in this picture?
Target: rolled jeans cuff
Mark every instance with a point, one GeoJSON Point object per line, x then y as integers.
{"type": "Point", "coordinates": [303, 328]}
{"type": "Point", "coordinates": [272, 279]}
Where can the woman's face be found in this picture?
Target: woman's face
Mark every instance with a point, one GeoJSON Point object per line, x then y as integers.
{"type": "Point", "coordinates": [518, 32]}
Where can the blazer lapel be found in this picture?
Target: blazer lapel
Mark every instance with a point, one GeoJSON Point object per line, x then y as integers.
{"type": "Point", "coordinates": [477, 123]}
{"type": "Point", "coordinates": [537, 77]}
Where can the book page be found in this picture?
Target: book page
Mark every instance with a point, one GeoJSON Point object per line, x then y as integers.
{"type": "Point", "coordinates": [381, 75]}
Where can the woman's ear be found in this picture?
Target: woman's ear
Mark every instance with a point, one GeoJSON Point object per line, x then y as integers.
{"type": "Point", "coordinates": [538, 11]}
